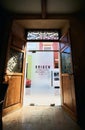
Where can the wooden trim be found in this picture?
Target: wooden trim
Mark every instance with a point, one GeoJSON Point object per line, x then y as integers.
{"type": "Point", "coordinates": [65, 74]}
{"type": "Point", "coordinates": [61, 87]}
{"type": "Point", "coordinates": [22, 89]}
{"type": "Point", "coordinates": [66, 36]}
{"type": "Point", "coordinates": [14, 74]}
{"type": "Point", "coordinates": [11, 109]}
{"type": "Point", "coordinates": [23, 78]}
{"type": "Point", "coordinates": [39, 16]}
{"type": "Point", "coordinates": [26, 16]}
{"type": "Point", "coordinates": [18, 49]}
{"type": "Point", "coordinates": [61, 16]}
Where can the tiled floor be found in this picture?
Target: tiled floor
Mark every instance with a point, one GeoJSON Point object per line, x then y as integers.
{"type": "Point", "coordinates": [39, 118]}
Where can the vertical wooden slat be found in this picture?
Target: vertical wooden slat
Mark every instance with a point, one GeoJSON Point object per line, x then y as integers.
{"type": "Point", "coordinates": [43, 7]}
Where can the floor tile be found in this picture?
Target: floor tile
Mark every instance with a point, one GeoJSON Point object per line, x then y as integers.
{"type": "Point", "coordinates": [39, 118]}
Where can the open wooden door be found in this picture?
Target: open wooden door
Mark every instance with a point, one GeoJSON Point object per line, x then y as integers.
{"type": "Point", "coordinates": [67, 77]}
{"type": "Point", "coordinates": [15, 70]}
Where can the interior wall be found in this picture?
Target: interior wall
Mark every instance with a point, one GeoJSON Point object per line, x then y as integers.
{"type": "Point", "coordinates": [5, 27]}
{"type": "Point", "coordinates": [77, 37]}
{"type": "Point", "coordinates": [18, 30]}
{"type": "Point", "coordinates": [78, 52]}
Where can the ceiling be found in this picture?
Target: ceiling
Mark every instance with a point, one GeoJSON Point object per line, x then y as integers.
{"type": "Point", "coordinates": [43, 6]}
{"type": "Point", "coordinates": [42, 13]}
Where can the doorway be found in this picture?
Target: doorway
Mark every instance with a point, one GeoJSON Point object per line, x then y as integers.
{"type": "Point", "coordinates": [42, 80]}
{"type": "Point", "coordinates": [15, 79]}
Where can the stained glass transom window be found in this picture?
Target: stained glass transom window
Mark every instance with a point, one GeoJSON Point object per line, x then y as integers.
{"type": "Point", "coordinates": [43, 35]}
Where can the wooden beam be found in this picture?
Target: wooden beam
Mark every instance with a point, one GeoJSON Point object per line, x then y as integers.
{"type": "Point", "coordinates": [44, 8]}
{"type": "Point", "coordinates": [44, 15]}
{"type": "Point", "coordinates": [26, 16]}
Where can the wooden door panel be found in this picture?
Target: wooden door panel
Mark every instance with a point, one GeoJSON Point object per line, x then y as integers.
{"type": "Point", "coordinates": [69, 101]}
{"type": "Point", "coordinates": [67, 77]}
{"type": "Point", "coordinates": [73, 94]}
{"type": "Point", "coordinates": [15, 69]}
{"type": "Point", "coordinates": [14, 91]}
{"type": "Point", "coordinates": [67, 94]}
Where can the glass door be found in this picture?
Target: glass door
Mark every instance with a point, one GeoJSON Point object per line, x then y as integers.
{"type": "Point", "coordinates": [43, 72]}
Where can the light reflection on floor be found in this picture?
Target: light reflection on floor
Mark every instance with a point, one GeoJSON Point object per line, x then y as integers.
{"type": "Point", "coordinates": [39, 118]}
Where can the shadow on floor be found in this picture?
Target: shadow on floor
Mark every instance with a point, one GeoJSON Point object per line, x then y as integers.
{"type": "Point", "coordinates": [39, 118]}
